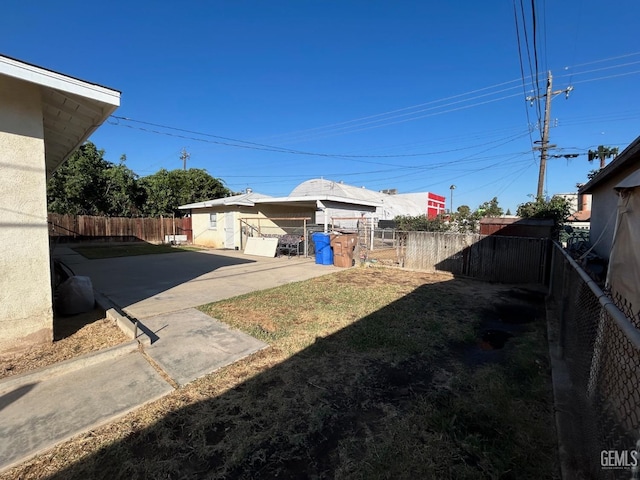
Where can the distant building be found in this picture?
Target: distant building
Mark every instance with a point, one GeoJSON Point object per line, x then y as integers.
{"type": "Point", "coordinates": [392, 203]}
{"type": "Point", "coordinates": [577, 202]}
{"type": "Point", "coordinates": [435, 205]}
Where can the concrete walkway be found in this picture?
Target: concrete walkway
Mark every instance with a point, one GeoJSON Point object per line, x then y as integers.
{"type": "Point", "coordinates": [51, 405]}
{"type": "Point", "coordinates": [40, 409]}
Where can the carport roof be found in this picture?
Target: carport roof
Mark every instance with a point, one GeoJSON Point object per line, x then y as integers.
{"type": "Point", "coordinates": [72, 109]}
{"type": "Point", "coordinates": [251, 199]}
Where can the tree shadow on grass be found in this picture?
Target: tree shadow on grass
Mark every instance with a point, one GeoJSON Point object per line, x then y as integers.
{"type": "Point", "coordinates": [386, 397]}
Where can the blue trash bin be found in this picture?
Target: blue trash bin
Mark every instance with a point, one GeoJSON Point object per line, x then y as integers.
{"type": "Point", "coordinates": [324, 254]}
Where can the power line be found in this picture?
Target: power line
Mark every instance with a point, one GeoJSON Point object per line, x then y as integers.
{"type": "Point", "coordinates": [419, 117]}
{"type": "Point", "coordinates": [601, 69]}
{"type": "Point", "coordinates": [263, 147]}
{"type": "Point", "coordinates": [524, 88]}
{"type": "Point", "coordinates": [419, 105]}
{"type": "Point", "coordinates": [617, 57]}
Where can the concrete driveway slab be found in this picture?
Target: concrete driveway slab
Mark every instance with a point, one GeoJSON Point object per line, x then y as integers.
{"type": "Point", "coordinates": [36, 415]}
{"type": "Point", "coordinates": [191, 344]}
{"type": "Point", "coordinates": [149, 285]}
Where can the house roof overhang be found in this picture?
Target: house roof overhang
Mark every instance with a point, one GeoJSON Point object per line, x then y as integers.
{"type": "Point", "coordinates": [322, 201]}
{"type": "Point", "coordinates": [311, 201]}
{"type": "Point", "coordinates": [630, 155]}
{"type": "Point", "coordinates": [72, 109]}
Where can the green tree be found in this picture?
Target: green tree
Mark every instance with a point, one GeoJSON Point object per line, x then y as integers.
{"type": "Point", "coordinates": [78, 186]}
{"type": "Point", "coordinates": [124, 196]}
{"type": "Point", "coordinates": [557, 209]}
{"type": "Point", "coordinates": [421, 223]}
{"type": "Point", "coordinates": [592, 174]}
{"type": "Point", "coordinates": [490, 208]}
{"type": "Point", "coordinates": [465, 221]}
{"type": "Point", "coordinates": [602, 153]}
{"type": "Point", "coordinates": [166, 190]}
{"type": "Point", "coordinates": [464, 210]}
{"type": "Point", "coordinates": [87, 184]}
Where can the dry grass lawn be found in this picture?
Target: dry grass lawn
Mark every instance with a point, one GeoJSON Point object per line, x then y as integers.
{"type": "Point", "coordinates": [370, 374]}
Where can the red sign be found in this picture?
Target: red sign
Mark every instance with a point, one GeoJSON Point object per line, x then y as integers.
{"type": "Point", "coordinates": [435, 205]}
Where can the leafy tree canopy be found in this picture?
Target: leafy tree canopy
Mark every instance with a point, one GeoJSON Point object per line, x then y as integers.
{"type": "Point", "coordinates": [421, 223]}
{"type": "Point", "coordinates": [462, 221]}
{"type": "Point", "coordinates": [557, 209]}
{"type": "Point", "coordinates": [491, 208]}
{"type": "Point", "coordinates": [166, 190]}
{"type": "Point", "coordinates": [87, 184]}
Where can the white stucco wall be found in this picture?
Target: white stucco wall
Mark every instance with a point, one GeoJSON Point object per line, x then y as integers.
{"type": "Point", "coordinates": [25, 284]}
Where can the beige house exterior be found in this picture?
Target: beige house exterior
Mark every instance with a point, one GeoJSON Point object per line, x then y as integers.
{"type": "Point", "coordinates": [228, 222]}
{"type": "Point", "coordinates": [44, 117]}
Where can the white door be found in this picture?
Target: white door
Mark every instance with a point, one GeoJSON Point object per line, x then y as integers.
{"type": "Point", "coordinates": [229, 230]}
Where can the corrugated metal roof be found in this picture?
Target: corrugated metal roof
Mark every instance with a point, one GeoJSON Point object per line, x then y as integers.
{"type": "Point", "coordinates": [250, 199]}
{"type": "Point", "coordinates": [245, 199]}
{"type": "Point", "coordinates": [391, 205]}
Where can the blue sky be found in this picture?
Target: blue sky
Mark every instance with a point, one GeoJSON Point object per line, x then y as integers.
{"type": "Point", "coordinates": [409, 95]}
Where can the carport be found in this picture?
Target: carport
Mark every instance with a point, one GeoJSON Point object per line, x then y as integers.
{"type": "Point", "coordinates": [229, 222]}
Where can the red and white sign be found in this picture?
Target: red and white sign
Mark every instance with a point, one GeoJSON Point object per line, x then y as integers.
{"type": "Point", "coordinates": [435, 205]}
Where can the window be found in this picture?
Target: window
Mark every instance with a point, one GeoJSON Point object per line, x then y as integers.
{"type": "Point", "coordinates": [213, 221]}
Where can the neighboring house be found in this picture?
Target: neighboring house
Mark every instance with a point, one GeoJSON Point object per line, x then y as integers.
{"type": "Point", "coordinates": [578, 203]}
{"type": "Point", "coordinates": [44, 117]}
{"type": "Point", "coordinates": [227, 222]}
{"type": "Point", "coordinates": [604, 197]}
{"type": "Point", "coordinates": [391, 203]}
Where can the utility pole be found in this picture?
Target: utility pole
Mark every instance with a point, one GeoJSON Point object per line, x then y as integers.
{"type": "Point", "coordinates": [184, 156]}
{"type": "Point", "coordinates": [544, 141]}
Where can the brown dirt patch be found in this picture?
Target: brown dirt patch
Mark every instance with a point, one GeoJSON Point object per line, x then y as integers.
{"type": "Point", "coordinates": [73, 336]}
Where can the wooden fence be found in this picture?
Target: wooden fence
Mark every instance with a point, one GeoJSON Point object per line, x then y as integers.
{"type": "Point", "coordinates": [490, 258]}
{"type": "Point", "coordinates": [78, 228]}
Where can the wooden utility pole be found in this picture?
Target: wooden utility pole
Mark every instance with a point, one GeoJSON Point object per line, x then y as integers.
{"type": "Point", "coordinates": [545, 137]}
{"type": "Point", "coordinates": [184, 156]}
{"type": "Point", "coordinates": [544, 141]}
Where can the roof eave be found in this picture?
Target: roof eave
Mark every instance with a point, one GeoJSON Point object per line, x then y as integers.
{"type": "Point", "coordinates": [314, 198]}
{"type": "Point", "coordinates": [64, 98]}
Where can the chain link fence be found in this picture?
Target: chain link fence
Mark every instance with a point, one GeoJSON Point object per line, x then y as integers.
{"type": "Point", "coordinates": [596, 351]}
